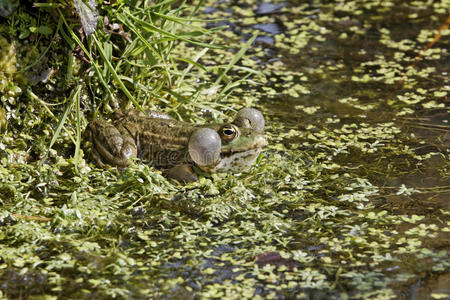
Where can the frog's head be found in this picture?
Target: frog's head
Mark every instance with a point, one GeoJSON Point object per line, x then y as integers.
{"type": "Point", "coordinates": [233, 146]}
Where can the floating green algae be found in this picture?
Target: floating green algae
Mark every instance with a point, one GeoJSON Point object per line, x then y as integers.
{"type": "Point", "coordinates": [348, 201]}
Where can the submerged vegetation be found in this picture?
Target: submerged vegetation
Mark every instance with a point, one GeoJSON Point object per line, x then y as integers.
{"type": "Point", "coordinates": [349, 200]}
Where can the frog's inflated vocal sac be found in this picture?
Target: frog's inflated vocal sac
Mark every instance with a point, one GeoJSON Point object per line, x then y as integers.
{"type": "Point", "coordinates": [178, 146]}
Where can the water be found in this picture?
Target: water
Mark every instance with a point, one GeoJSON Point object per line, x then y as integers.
{"type": "Point", "coordinates": [357, 64]}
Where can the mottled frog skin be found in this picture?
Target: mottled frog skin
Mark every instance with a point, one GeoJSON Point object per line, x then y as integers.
{"type": "Point", "coordinates": [177, 146]}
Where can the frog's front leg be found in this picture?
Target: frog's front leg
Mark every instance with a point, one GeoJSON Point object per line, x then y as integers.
{"type": "Point", "coordinates": [182, 173]}
{"type": "Point", "coordinates": [110, 146]}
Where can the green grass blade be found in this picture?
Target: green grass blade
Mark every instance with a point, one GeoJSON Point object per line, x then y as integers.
{"type": "Point", "coordinates": [107, 50]}
{"type": "Point", "coordinates": [94, 64]}
{"type": "Point", "coordinates": [235, 59]}
{"type": "Point", "coordinates": [44, 53]}
{"type": "Point", "coordinates": [61, 122]}
{"type": "Point", "coordinates": [58, 129]}
{"type": "Point", "coordinates": [183, 21]}
{"type": "Point", "coordinates": [135, 30]}
{"type": "Point", "coordinates": [114, 74]}
{"type": "Point", "coordinates": [191, 64]}
{"type": "Point", "coordinates": [47, 5]}
{"type": "Point", "coordinates": [163, 3]}
{"type": "Point", "coordinates": [76, 156]}
{"type": "Point", "coordinates": [152, 28]}
{"type": "Point", "coordinates": [228, 89]}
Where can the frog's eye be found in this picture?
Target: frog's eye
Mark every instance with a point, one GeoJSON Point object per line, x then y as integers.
{"type": "Point", "coordinates": [228, 133]}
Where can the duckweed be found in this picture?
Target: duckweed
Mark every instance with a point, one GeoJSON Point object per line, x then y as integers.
{"type": "Point", "coordinates": [348, 200]}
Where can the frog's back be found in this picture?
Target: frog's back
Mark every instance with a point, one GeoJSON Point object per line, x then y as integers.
{"type": "Point", "coordinates": [160, 140]}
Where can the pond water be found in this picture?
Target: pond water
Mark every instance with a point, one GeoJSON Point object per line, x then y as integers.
{"type": "Point", "coordinates": [365, 85]}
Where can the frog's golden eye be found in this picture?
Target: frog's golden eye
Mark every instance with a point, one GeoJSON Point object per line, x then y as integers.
{"type": "Point", "coordinates": [228, 133]}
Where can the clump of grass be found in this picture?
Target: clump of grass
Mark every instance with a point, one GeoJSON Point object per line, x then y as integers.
{"type": "Point", "coordinates": [128, 61]}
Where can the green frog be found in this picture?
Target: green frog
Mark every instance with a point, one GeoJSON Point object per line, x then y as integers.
{"type": "Point", "coordinates": [178, 147]}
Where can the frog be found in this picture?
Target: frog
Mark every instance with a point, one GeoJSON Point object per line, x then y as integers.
{"type": "Point", "coordinates": [181, 149]}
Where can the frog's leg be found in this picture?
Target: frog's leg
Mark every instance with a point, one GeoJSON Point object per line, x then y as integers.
{"type": "Point", "coordinates": [97, 158]}
{"type": "Point", "coordinates": [182, 173]}
{"type": "Point", "coordinates": [204, 150]}
{"type": "Point", "coordinates": [109, 145]}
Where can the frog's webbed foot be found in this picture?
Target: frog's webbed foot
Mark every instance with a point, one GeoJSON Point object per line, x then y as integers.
{"type": "Point", "coordinates": [109, 146]}
{"type": "Point", "coordinates": [182, 173]}
{"type": "Point", "coordinates": [97, 158]}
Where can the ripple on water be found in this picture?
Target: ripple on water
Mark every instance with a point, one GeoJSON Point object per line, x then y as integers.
{"type": "Point", "coordinates": [268, 8]}
{"type": "Point", "coordinates": [264, 39]}
{"type": "Point", "coordinates": [272, 28]}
